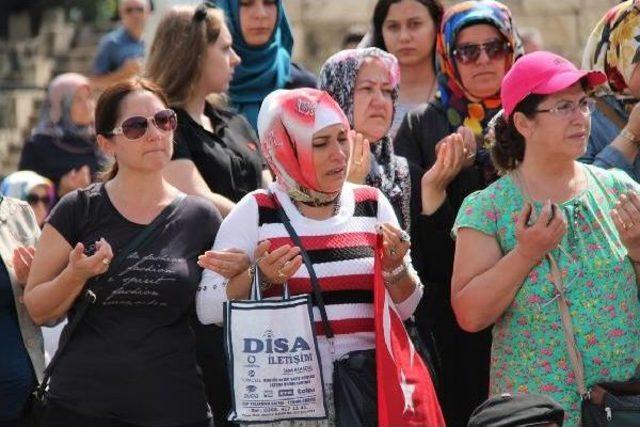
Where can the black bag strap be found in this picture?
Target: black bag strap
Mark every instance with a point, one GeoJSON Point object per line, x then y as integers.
{"type": "Point", "coordinates": [317, 293]}
{"type": "Point", "coordinates": [88, 296]}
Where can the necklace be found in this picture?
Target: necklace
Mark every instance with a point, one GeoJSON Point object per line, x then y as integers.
{"type": "Point", "coordinates": [334, 211]}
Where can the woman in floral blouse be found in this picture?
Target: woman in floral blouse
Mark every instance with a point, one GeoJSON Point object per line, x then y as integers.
{"type": "Point", "coordinates": [587, 218]}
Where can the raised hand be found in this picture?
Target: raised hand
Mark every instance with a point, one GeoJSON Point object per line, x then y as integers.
{"type": "Point", "coordinates": [626, 217]}
{"type": "Point", "coordinates": [535, 240]}
{"type": "Point", "coordinates": [278, 266]}
{"type": "Point", "coordinates": [228, 263]}
{"type": "Point", "coordinates": [359, 158]}
{"type": "Point", "coordinates": [83, 267]}
{"type": "Point", "coordinates": [22, 258]}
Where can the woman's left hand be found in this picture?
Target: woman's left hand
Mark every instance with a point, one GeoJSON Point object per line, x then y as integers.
{"type": "Point", "coordinates": [228, 263]}
{"type": "Point", "coordinates": [626, 217]}
{"type": "Point", "coordinates": [395, 243]}
{"type": "Point", "coordinates": [22, 258]}
{"type": "Point", "coordinates": [359, 158]}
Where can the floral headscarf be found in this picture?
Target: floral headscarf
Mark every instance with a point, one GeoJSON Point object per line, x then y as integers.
{"type": "Point", "coordinates": [389, 173]}
{"type": "Point", "coordinates": [462, 108]}
{"type": "Point", "coordinates": [55, 116]}
{"type": "Point", "coordinates": [286, 123]}
{"type": "Point", "coordinates": [614, 49]}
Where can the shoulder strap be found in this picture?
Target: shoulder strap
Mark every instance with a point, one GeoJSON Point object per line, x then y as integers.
{"type": "Point", "coordinates": [88, 295]}
{"type": "Point", "coordinates": [610, 113]}
{"type": "Point", "coordinates": [570, 340]}
{"type": "Point", "coordinates": [317, 293]}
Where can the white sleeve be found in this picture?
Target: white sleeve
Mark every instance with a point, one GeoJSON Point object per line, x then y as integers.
{"type": "Point", "coordinates": [239, 230]}
{"type": "Point", "coordinates": [409, 305]}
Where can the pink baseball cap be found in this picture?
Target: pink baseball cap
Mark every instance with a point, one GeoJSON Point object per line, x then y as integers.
{"type": "Point", "coordinates": [542, 73]}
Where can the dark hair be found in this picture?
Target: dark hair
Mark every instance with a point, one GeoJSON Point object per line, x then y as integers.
{"type": "Point", "coordinates": [507, 149]}
{"type": "Point", "coordinates": [108, 111]}
{"type": "Point", "coordinates": [435, 8]}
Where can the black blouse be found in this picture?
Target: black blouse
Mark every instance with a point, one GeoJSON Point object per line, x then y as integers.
{"type": "Point", "coordinates": [228, 158]}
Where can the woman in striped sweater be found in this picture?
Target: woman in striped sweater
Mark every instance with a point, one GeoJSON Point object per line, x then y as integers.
{"type": "Point", "coordinates": [306, 140]}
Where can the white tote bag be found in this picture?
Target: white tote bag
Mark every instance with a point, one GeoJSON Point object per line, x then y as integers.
{"type": "Point", "coordinates": [273, 359]}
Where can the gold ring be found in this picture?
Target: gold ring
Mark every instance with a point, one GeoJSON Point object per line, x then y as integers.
{"type": "Point", "coordinates": [393, 251]}
{"type": "Point", "coordinates": [464, 150]}
{"type": "Point", "coordinates": [106, 261]}
{"type": "Point", "coordinates": [281, 275]}
{"type": "Point", "coordinates": [357, 163]}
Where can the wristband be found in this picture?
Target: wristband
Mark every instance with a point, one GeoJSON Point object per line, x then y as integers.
{"type": "Point", "coordinates": [392, 278]}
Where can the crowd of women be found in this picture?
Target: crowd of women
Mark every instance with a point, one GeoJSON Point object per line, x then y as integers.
{"type": "Point", "coordinates": [486, 172]}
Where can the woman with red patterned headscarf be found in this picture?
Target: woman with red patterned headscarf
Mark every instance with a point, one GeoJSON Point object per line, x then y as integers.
{"type": "Point", "coordinates": [306, 140]}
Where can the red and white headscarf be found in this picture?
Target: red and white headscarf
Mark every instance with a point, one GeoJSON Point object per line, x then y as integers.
{"type": "Point", "coordinates": [286, 124]}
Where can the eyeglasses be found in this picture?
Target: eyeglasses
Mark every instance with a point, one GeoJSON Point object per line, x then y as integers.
{"type": "Point", "coordinates": [130, 10]}
{"type": "Point", "coordinates": [136, 127]}
{"type": "Point", "coordinates": [469, 53]}
{"type": "Point", "coordinates": [566, 109]}
{"type": "Point", "coordinates": [33, 199]}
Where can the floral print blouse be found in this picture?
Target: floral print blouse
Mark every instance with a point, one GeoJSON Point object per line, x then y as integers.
{"type": "Point", "coordinates": [529, 354]}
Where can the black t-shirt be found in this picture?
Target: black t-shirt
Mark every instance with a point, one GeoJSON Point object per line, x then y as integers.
{"type": "Point", "coordinates": [228, 159]}
{"type": "Point", "coordinates": [132, 357]}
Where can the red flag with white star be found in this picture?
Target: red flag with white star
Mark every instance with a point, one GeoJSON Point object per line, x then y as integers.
{"type": "Point", "coordinates": [406, 396]}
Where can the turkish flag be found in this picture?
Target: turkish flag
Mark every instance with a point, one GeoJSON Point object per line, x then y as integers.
{"type": "Point", "coordinates": [406, 396]}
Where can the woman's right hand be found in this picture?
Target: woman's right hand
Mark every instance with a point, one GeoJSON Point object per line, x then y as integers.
{"type": "Point", "coordinates": [450, 158]}
{"type": "Point", "coordinates": [359, 158]}
{"type": "Point", "coordinates": [83, 267]}
{"type": "Point", "coordinates": [278, 266]}
{"type": "Point", "coordinates": [536, 240]}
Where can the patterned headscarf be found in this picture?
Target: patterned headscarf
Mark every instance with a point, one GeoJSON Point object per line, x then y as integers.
{"type": "Point", "coordinates": [614, 49]}
{"type": "Point", "coordinates": [263, 68]}
{"type": "Point", "coordinates": [19, 184]}
{"type": "Point", "coordinates": [462, 108]}
{"type": "Point", "coordinates": [389, 173]}
{"type": "Point", "coordinates": [55, 116]}
{"type": "Point", "coordinates": [286, 124]}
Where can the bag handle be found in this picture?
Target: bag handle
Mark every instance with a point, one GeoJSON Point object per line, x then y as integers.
{"type": "Point", "coordinates": [89, 296]}
{"type": "Point", "coordinates": [567, 326]}
{"type": "Point", "coordinates": [256, 292]}
{"type": "Point", "coordinates": [317, 293]}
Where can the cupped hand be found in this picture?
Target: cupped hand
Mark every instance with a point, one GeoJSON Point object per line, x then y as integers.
{"type": "Point", "coordinates": [84, 267]}
{"type": "Point", "coordinates": [228, 263]}
{"type": "Point", "coordinates": [22, 259]}
{"type": "Point", "coordinates": [359, 158]}
{"type": "Point", "coordinates": [278, 265]}
{"type": "Point", "coordinates": [535, 240]}
{"type": "Point", "coordinates": [626, 218]}
{"type": "Point", "coordinates": [395, 244]}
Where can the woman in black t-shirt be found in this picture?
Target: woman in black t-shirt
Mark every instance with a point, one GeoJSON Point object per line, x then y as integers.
{"type": "Point", "coordinates": [131, 359]}
{"type": "Point", "coordinates": [216, 154]}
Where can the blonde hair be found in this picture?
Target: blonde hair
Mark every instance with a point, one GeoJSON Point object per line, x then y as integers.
{"type": "Point", "coordinates": [179, 49]}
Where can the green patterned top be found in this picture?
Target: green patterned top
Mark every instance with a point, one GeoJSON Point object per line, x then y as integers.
{"type": "Point", "coordinates": [529, 354]}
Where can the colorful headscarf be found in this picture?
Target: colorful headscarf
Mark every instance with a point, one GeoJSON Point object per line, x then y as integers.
{"type": "Point", "coordinates": [389, 173]}
{"type": "Point", "coordinates": [614, 49]}
{"type": "Point", "coordinates": [462, 108]}
{"type": "Point", "coordinates": [19, 184]}
{"type": "Point", "coordinates": [263, 68]}
{"type": "Point", "coordinates": [286, 124]}
{"type": "Point", "coordinates": [55, 115]}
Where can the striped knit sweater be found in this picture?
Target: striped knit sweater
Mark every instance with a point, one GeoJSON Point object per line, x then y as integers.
{"type": "Point", "coordinates": [341, 249]}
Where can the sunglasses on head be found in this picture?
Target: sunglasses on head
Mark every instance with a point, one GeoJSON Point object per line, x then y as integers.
{"type": "Point", "coordinates": [132, 9]}
{"type": "Point", "coordinates": [469, 53]}
{"type": "Point", "coordinates": [136, 127]}
{"type": "Point", "coordinates": [32, 199]}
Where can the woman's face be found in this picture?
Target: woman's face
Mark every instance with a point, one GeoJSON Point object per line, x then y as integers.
{"type": "Point", "coordinates": [82, 107]}
{"type": "Point", "coordinates": [409, 33]}
{"type": "Point", "coordinates": [151, 152]}
{"type": "Point", "coordinates": [257, 20]}
{"type": "Point", "coordinates": [219, 64]}
{"type": "Point", "coordinates": [330, 147]}
{"type": "Point", "coordinates": [40, 201]}
{"type": "Point", "coordinates": [554, 133]}
{"type": "Point", "coordinates": [481, 76]}
{"type": "Point", "coordinates": [372, 102]}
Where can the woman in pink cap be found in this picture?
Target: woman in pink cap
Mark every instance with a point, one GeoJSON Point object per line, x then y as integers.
{"type": "Point", "coordinates": [548, 209]}
{"type": "Point", "coordinates": [305, 138]}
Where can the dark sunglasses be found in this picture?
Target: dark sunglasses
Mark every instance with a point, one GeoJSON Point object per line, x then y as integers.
{"type": "Point", "coordinates": [136, 127]}
{"type": "Point", "coordinates": [130, 10]}
{"type": "Point", "coordinates": [32, 199]}
{"type": "Point", "coordinates": [469, 53]}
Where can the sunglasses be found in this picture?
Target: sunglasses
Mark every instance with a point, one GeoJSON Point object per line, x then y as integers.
{"type": "Point", "coordinates": [136, 127]}
{"type": "Point", "coordinates": [130, 10]}
{"type": "Point", "coordinates": [469, 53]}
{"type": "Point", "coordinates": [33, 199]}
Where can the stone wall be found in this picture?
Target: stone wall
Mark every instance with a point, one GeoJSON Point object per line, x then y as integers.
{"type": "Point", "coordinates": [320, 25]}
